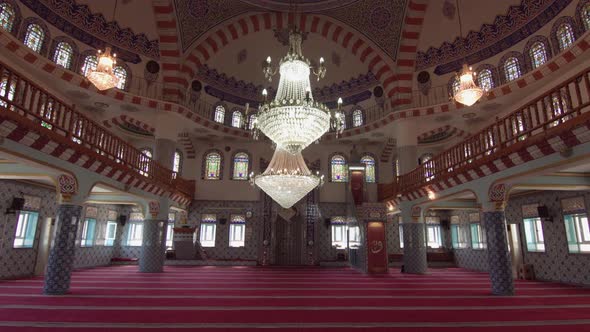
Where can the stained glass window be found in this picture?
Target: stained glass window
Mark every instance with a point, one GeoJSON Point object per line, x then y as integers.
{"type": "Point", "coordinates": [7, 16]}
{"type": "Point", "coordinates": [219, 115]}
{"type": "Point", "coordinates": [47, 113]}
{"type": "Point", "coordinates": [565, 36]}
{"type": "Point", "coordinates": [34, 37]}
{"type": "Point", "coordinates": [357, 118]}
{"type": "Point", "coordinates": [236, 119]}
{"type": "Point", "coordinates": [241, 164]}
{"type": "Point", "coordinates": [538, 54]}
{"type": "Point", "coordinates": [177, 162]}
{"type": "Point", "coordinates": [90, 63]}
{"type": "Point", "coordinates": [6, 94]}
{"type": "Point", "coordinates": [144, 161]}
{"type": "Point", "coordinates": [511, 69]}
{"type": "Point", "coordinates": [252, 121]}
{"type": "Point", "coordinates": [339, 169]}
{"type": "Point", "coordinates": [63, 55]}
{"type": "Point", "coordinates": [369, 163]}
{"type": "Point", "coordinates": [343, 119]}
{"type": "Point", "coordinates": [121, 73]}
{"type": "Point", "coordinates": [586, 16]}
{"type": "Point", "coordinates": [485, 80]}
{"type": "Point", "coordinates": [456, 85]}
{"type": "Point", "coordinates": [212, 166]}
{"type": "Point", "coordinates": [557, 108]}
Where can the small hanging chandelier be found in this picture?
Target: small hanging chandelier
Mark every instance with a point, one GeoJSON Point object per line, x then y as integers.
{"type": "Point", "coordinates": [468, 92]}
{"type": "Point", "coordinates": [287, 178]}
{"type": "Point", "coordinates": [103, 76]}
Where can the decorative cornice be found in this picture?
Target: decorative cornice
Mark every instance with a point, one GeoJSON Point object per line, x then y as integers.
{"type": "Point", "coordinates": [507, 30]}
{"type": "Point", "coordinates": [240, 92]}
{"type": "Point", "coordinates": [93, 29]}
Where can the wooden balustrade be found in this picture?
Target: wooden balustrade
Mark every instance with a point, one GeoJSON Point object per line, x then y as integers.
{"type": "Point", "coordinates": [27, 99]}
{"type": "Point", "coordinates": [561, 104]}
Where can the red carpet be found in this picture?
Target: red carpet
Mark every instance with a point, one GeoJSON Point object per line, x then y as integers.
{"type": "Point", "coordinates": [289, 299]}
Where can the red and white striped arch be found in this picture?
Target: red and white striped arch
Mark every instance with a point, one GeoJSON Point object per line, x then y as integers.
{"type": "Point", "coordinates": [169, 43]}
{"type": "Point", "coordinates": [208, 45]}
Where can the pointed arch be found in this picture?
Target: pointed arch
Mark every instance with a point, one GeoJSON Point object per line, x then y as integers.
{"type": "Point", "coordinates": [10, 16]}
{"type": "Point", "coordinates": [64, 52]}
{"type": "Point", "coordinates": [537, 52]}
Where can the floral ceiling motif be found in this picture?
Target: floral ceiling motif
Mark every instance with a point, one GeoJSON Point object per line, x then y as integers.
{"type": "Point", "coordinates": [379, 20]}
{"type": "Point", "coordinates": [93, 29]}
{"type": "Point", "coordinates": [507, 30]}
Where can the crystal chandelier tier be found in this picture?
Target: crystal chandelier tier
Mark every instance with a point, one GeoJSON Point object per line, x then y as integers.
{"type": "Point", "coordinates": [467, 93]}
{"type": "Point", "coordinates": [293, 120]}
{"type": "Point", "coordinates": [103, 76]}
{"type": "Point", "coordinates": [287, 178]}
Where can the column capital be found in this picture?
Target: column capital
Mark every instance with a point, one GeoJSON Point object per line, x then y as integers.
{"type": "Point", "coordinates": [497, 198]}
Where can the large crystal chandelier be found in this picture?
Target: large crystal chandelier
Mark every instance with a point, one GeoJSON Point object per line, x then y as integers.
{"type": "Point", "coordinates": [293, 120]}
{"type": "Point", "coordinates": [468, 93]}
{"type": "Point", "coordinates": [103, 76]}
{"type": "Point", "coordinates": [287, 178]}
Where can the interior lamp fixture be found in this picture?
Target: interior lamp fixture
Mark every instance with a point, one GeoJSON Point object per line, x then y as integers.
{"type": "Point", "coordinates": [468, 93]}
{"type": "Point", "coordinates": [293, 120]}
{"type": "Point", "coordinates": [103, 76]}
{"type": "Point", "coordinates": [287, 179]}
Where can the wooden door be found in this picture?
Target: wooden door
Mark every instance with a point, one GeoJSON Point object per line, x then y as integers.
{"type": "Point", "coordinates": [288, 241]}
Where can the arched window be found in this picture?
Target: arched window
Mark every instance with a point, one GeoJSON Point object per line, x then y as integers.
{"type": "Point", "coordinates": [177, 162]}
{"type": "Point", "coordinates": [485, 80]}
{"type": "Point", "coordinates": [144, 161]}
{"type": "Point", "coordinates": [219, 115]}
{"type": "Point", "coordinates": [252, 121]}
{"type": "Point", "coordinates": [63, 55]}
{"type": "Point", "coordinates": [90, 63]}
{"type": "Point", "coordinates": [213, 166]}
{"type": "Point", "coordinates": [339, 169]}
{"type": "Point", "coordinates": [241, 166]}
{"type": "Point", "coordinates": [556, 108]}
{"type": "Point", "coordinates": [7, 17]}
{"type": "Point", "coordinates": [538, 55]}
{"type": "Point", "coordinates": [586, 16]}
{"type": "Point", "coordinates": [237, 119]}
{"type": "Point", "coordinates": [121, 73]}
{"type": "Point", "coordinates": [34, 37]}
{"type": "Point", "coordinates": [343, 120]}
{"type": "Point", "coordinates": [357, 118]}
{"type": "Point", "coordinates": [511, 69]}
{"type": "Point", "coordinates": [565, 36]}
{"type": "Point", "coordinates": [456, 85]}
{"type": "Point", "coordinates": [369, 163]}
{"type": "Point", "coordinates": [426, 161]}
{"type": "Point", "coordinates": [6, 93]}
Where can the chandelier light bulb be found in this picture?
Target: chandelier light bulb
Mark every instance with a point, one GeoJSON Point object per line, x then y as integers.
{"type": "Point", "coordinates": [268, 60]}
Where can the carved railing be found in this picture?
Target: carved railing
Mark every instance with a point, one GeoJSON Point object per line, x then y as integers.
{"type": "Point", "coordinates": [23, 100]}
{"type": "Point", "coordinates": [559, 107]}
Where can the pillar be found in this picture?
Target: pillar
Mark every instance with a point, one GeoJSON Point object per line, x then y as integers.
{"type": "Point", "coordinates": [407, 147]}
{"type": "Point", "coordinates": [494, 224]}
{"type": "Point", "coordinates": [62, 253]}
{"type": "Point", "coordinates": [153, 247]}
{"type": "Point", "coordinates": [414, 240]}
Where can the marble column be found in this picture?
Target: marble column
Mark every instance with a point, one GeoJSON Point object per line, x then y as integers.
{"type": "Point", "coordinates": [62, 254]}
{"type": "Point", "coordinates": [414, 242]}
{"type": "Point", "coordinates": [153, 247]}
{"type": "Point", "coordinates": [499, 260]}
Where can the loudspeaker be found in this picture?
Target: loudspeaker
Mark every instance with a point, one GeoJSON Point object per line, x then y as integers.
{"type": "Point", "coordinates": [122, 220]}
{"type": "Point", "coordinates": [222, 221]}
{"type": "Point", "coordinates": [543, 212]}
{"type": "Point", "coordinates": [16, 205]}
